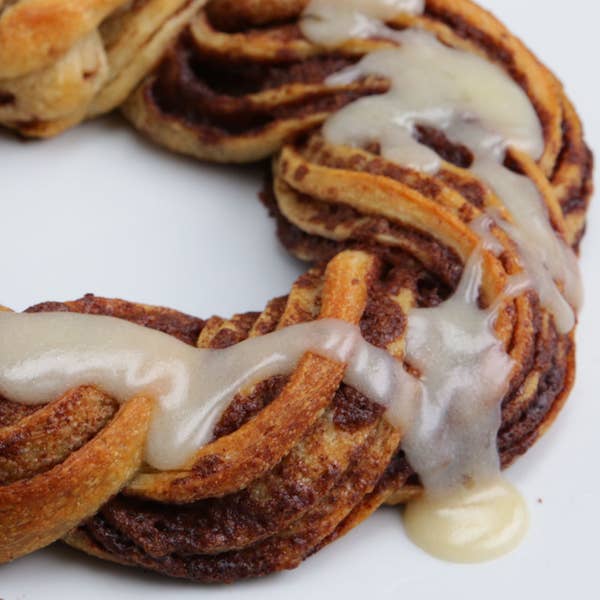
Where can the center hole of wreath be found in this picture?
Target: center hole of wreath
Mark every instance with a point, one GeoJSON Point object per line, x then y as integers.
{"type": "Point", "coordinates": [100, 210]}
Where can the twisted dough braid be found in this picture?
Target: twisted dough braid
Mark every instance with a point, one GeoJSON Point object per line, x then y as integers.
{"type": "Point", "coordinates": [62, 61]}
{"type": "Point", "coordinates": [235, 82]}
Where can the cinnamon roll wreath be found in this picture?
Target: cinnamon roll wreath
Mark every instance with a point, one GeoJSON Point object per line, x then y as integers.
{"type": "Point", "coordinates": [300, 458]}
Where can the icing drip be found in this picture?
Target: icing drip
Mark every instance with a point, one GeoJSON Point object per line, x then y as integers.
{"type": "Point", "coordinates": [43, 355]}
{"type": "Point", "coordinates": [332, 23]}
{"type": "Point", "coordinates": [465, 373]}
{"type": "Point", "coordinates": [477, 105]}
{"type": "Point", "coordinates": [544, 255]}
{"type": "Point", "coordinates": [468, 513]}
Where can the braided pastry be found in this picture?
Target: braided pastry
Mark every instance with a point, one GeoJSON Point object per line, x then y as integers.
{"type": "Point", "coordinates": [61, 62]}
{"type": "Point", "coordinates": [297, 458]}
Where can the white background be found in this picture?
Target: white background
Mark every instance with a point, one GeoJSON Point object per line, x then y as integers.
{"type": "Point", "coordinates": [100, 210]}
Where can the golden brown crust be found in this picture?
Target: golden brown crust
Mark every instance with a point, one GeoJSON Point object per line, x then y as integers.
{"type": "Point", "coordinates": [45, 102]}
{"type": "Point", "coordinates": [62, 61]}
{"type": "Point", "coordinates": [35, 512]}
{"type": "Point", "coordinates": [36, 33]}
{"type": "Point", "coordinates": [49, 435]}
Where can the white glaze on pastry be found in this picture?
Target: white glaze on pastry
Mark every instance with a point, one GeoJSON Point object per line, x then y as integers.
{"type": "Point", "coordinates": [43, 355]}
{"type": "Point", "coordinates": [465, 372]}
{"type": "Point", "coordinates": [475, 104]}
{"type": "Point", "coordinates": [467, 513]}
{"type": "Point", "coordinates": [333, 23]}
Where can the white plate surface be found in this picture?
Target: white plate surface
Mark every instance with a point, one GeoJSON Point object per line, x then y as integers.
{"type": "Point", "coordinates": [100, 210]}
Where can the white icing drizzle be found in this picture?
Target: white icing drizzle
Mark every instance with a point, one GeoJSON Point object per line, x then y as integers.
{"type": "Point", "coordinates": [475, 104]}
{"type": "Point", "coordinates": [544, 255]}
{"type": "Point", "coordinates": [534, 258]}
{"type": "Point", "coordinates": [465, 372]}
{"type": "Point", "coordinates": [43, 355]}
{"type": "Point", "coordinates": [482, 227]}
{"type": "Point", "coordinates": [450, 417]}
{"type": "Point", "coordinates": [333, 23]}
{"type": "Point", "coordinates": [467, 513]}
